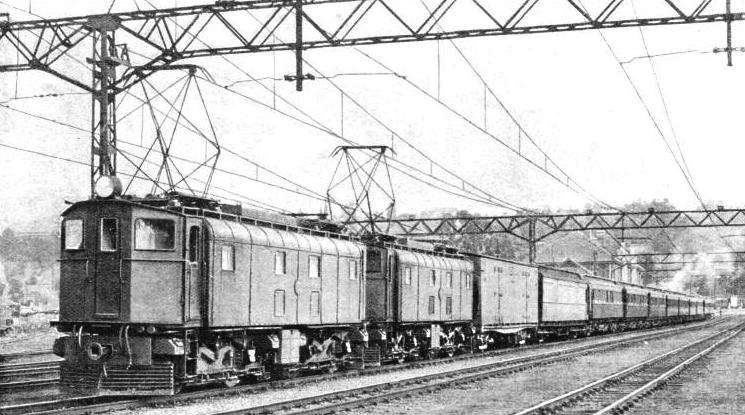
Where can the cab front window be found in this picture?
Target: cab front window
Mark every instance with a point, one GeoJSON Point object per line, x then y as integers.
{"type": "Point", "coordinates": [73, 234]}
{"type": "Point", "coordinates": [154, 234]}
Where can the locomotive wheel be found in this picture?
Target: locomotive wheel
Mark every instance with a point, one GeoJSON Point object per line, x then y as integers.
{"type": "Point", "coordinates": [400, 360]}
{"type": "Point", "coordinates": [231, 382]}
{"type": "Point", "coordinates": [450, 352]}
{"type": "Point", "coordinates": [330, 369]}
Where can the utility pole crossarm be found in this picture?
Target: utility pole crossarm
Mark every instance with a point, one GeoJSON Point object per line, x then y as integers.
{"type": "Point", "coordinates": [233, 27]}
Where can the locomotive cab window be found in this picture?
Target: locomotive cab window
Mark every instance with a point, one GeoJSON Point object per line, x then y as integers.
{"type": "Point", "coordinates": [73, 234]}
{"type": "Point", "coordinates": [280, 263]}
{"type": "Point", "coordinates": [109, 234]}
{"type": "Point", "coordinates": [155, 234]}
{"type": "Point", "coordinates": [228, 258]}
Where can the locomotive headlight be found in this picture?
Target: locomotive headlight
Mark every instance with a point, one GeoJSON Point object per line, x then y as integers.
{"type": "Point", "coordinates": [108, 186]}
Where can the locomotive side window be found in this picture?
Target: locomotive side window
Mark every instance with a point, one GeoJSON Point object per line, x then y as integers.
{"type": "Point", "coordinates": [109, 234]}
{"type": "Point", "coordinates": [352, 269]}
{"type": "Point", "coordinates": [407, 275]}
{"type": "Point", "coordinates": [228, 258]}
{"type": "Point", "coordinates": [73, 234]}
{"type": "Point", "coordinates": [280, 263]}
{"type": "Point", "coordinates": [279, 303]}
{"type": "Point", "coordinates": [155, 234]}
{"type": "Point", "coordinates": [314, 266]}
{"type": "Point", "coordinates": [431, 305]}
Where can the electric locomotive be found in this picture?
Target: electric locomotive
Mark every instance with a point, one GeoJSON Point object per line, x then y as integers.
{"type": "Point", "coordinates": [157, 293]}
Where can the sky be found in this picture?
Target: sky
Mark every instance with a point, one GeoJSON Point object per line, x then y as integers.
{"type": "Point", "coordinates": [604, 129]}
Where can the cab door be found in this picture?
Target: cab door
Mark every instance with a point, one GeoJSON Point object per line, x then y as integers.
{"type": "Point", "coordinates": [193, 264]}
{"type": "Point", "coordinates": [107, 258]}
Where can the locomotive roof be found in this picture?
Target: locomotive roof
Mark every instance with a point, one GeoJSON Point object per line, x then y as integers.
{"type": "Point", "coordinates": [240, 231]}
{"type": "Point", "coordinates": [161, 205]}
{"type": "Point", "coordinates": [413, 257]}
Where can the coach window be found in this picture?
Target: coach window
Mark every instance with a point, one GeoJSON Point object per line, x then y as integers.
{"type": "Point", "coordinates": [280, 263]}
{"type": "Point", "coordinates": [449, 305]}
{"type": "Point", "coordinates": [449, 279]}
{"type": "Point", "coordinates": [431, 305]}
{"type": "Point", "coordinates": [468, 280]}
{"type": "Point", "coordinates": [155, 234]}
{"type": "Point", "coordinates": [279, 303]}
{"type": "Point", "coordinates": [73, 234]}
{"type": "Point", "coordinates": [352, 269]}
{"type": "Point", "coordinates": [407, 275]}
{"type": "Point", "coordinates": [314, 266]}
{"type": "Point", "coordinates": [433, 278]}
{"type": "Point", "coordinates": [109, 234]}
{"type": "Point", "coordinates": [228, 258]}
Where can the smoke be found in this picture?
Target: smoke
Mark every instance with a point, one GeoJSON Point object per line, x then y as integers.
{"type": "Point", "coordinates": [701, 276]}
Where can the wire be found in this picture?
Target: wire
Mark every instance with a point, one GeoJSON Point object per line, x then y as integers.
{"type": "Point", "coordinates": [322, 127]}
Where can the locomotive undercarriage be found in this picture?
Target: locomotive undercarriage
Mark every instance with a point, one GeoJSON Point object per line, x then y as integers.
{"type": "Point", "coordinates": [130, 360]}
{"type": "Point", "coordinates": [396, 343]}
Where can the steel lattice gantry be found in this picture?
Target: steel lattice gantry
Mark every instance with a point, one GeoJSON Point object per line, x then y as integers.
{"type": "Point", "coordinates": [535, 228]}
{"type": "Point", "coordinates": [165, 36]}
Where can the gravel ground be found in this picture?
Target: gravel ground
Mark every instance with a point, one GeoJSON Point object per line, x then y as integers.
{"type": "Point", "coordinates": [514, 392]}
{"type": "Point", "coordinates": [712, 386]}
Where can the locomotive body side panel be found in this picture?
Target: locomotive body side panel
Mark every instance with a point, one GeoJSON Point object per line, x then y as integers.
{"type": "Point", "coordinates": [437, 290]}
{"type": "Point", "coordinates": [281, 278]}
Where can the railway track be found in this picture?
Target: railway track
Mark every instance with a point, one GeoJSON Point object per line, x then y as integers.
{"type": "Point", "coordinates": [369, 395]}
{"type": "Point", "coordinates": [29, 375]}
{"type": "Point", "coordinates": [620, 391]}
{"type": "Point", "coordinates": [90, 405]}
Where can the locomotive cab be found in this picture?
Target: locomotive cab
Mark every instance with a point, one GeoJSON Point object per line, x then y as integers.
{"type": "Point", "coordinates": [129, 275]}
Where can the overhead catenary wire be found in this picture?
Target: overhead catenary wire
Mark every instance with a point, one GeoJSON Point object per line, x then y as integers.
{"type": "Point", "coordinates": [521, 130]}
{"type": "Point", "coordinates": [128, 93]}
{"type": "Point", "coordinates": [324, 128]}
{"type": "Point", "coordinates": [248, 201]}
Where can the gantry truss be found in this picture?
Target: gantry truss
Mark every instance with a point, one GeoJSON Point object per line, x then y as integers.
{"type": "Point", "coordinates": [688, 257]}
{"type": "Point", "coordinates": [172, 34]}
{"type": "Point", "coordinates": [535, 228]}
{"type": "Point", "coordinates": [125, 48]}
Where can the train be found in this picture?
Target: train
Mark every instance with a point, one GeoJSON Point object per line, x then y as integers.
{"type": "Point", "coordinates": [158, 293]}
